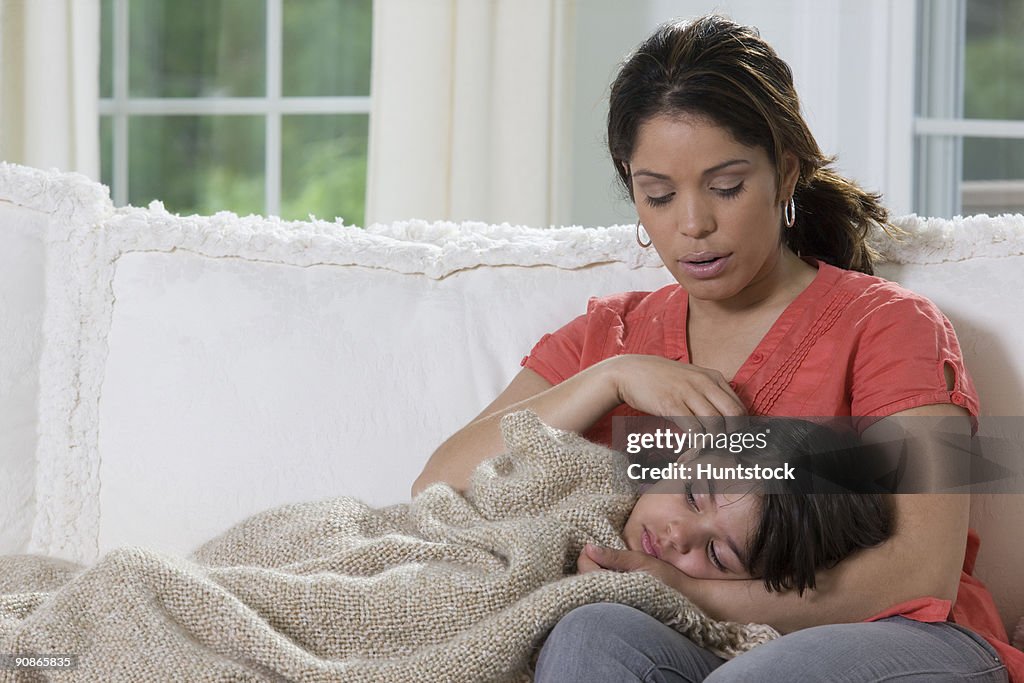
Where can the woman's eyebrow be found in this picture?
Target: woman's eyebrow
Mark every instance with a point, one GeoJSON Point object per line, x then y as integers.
{"type": "Point", "coordinates": [713, 169]}
{"type": "Point", "coordinates": [725, 164]}
{"type": "Point", "coordinates": [642, 171]}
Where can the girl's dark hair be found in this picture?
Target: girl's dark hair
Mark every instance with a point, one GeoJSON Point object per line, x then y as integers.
{"type": "Point", "coordinates": [801, 532]}
{"type": "Point", "coordinates": [724, 72]}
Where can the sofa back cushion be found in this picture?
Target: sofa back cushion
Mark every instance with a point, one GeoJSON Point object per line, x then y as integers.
{"type": "Point", "coordinates": [233, 385]}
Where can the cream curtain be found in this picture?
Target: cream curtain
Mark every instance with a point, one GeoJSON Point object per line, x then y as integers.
{"type": "Point", "coordinates": [49, 89]}
{"type": "Point", "coordinates": [469, 113]}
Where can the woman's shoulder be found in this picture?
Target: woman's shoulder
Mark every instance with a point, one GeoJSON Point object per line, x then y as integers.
{"type": "Point", "coordinates": [872, 295]}
{"type": "Point", "coordinates": [638, 303]}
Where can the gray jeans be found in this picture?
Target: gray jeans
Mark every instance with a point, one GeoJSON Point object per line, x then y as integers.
{"type": "Point", "coordinates": [611, 642]}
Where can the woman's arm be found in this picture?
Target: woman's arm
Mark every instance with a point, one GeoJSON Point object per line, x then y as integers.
{"type": "Point", "coordinates": [650, 384]}
{"type": "Point", "coordinates": [922, 559]}
{"type": "Point", "coordinates": [573, 405]}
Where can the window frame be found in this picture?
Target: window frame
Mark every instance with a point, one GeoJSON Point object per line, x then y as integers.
{"type": "Point", "coordinates": [120, 107]}
{"type": "Point", "coordinates": [938, 173]}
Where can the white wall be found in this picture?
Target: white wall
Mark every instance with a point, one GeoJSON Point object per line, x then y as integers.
{"type": "Point", "coordinates": [853, 65]}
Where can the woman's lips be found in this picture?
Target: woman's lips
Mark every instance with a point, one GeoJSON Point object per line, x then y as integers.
{"type": "Point", "coordinates": [649, 545]}
{"type": "Point", "coordinates": [704, 266]}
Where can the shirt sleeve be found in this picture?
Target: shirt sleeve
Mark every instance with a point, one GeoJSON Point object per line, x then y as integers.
{"type": "Point", "coordinates": [558, 355]}
{"type": "Point", "coordinates": [904, 350]}
{"type": "Point", "coordinates": [598, 334]}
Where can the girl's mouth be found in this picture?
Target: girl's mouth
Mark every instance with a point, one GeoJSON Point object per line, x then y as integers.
{"type": "Point", "coordinates": [648, 543]}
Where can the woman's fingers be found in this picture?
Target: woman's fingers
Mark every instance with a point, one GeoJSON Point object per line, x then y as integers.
{"type": "Point", "coordinates": [668, 388]}
{"type": "Point", "coordinates": [616, 560]}
{"type": "Point", "coordinates": [712, 410]}
{"type": "Point", "coordinates": [585, 564]}
{"type": "Point", "coordinates": [633, 561]}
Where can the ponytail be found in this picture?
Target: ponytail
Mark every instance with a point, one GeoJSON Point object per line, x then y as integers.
{"type": "Point", "coordinates": [834, 217]}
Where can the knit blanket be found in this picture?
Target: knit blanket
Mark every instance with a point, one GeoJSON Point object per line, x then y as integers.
{"type": "Point", "coordinates": [449, 587]}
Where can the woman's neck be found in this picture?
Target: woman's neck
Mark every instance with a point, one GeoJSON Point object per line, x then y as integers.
{"type": "Point", "coordinates": [776, 288]}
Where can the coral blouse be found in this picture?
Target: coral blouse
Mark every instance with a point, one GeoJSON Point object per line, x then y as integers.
{"type": "Point", "coordinates": [849, 345]}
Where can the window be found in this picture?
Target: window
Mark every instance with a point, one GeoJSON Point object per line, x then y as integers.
{"type": "Point", "coordinates": [252, 106]}
{"type": "Point", "coordinates": [969, 126]}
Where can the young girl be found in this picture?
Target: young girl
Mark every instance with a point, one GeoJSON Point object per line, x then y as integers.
{"type": "Point", "coordinates": [777, 530]}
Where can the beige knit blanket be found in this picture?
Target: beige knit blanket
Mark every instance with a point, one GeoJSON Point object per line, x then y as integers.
{"type": "Point", "coordinates": [448, 587]}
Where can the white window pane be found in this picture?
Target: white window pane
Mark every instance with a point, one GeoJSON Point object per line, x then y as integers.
{"type": "Point", "coordinates": [323, 166]}
{"type": "Point", "coordinates": [326, 47]}
{"type": "Point", "coordinates": [106, 48]}
{"type": "Point", "coordinates": [993, 176]}
{"type": "Point", "coordinates": [994, 60]}
{"type": "Point", "coordinates": [197, 164]}
{"type": "Point", "coordinates": [990, 178]}
{"type": "Point", "coordinates": [197, 48]}
{"type": "Point", "coordinates": [971, 65]}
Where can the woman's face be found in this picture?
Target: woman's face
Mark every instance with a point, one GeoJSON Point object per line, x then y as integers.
{"type": "Point", "coordinates": [699, 530]}
{"type": "Point", "coordinates": [709, 204]}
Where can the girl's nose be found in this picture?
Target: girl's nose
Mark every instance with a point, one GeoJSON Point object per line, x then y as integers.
{"type": "Point", "coordinates": [684, 537]}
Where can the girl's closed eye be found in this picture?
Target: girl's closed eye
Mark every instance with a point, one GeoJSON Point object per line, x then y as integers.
{"type": "Point", "coordinates": [716, 562]}
{"type": "Point", "coordinates": [713, 556]}
{"type": "Point", "coordinates": [690, 498]}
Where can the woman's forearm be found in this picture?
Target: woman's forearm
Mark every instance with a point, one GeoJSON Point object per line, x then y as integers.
{"type": "Point", "coordinates": [573, 405]}
{"type": "Point", "coordinates": [650, 384]}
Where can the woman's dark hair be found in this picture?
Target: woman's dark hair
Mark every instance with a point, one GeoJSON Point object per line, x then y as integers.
{"type": "Point", "coordinates": [801, 531]}
{"type": "Point", "coordinates": [725, 73]}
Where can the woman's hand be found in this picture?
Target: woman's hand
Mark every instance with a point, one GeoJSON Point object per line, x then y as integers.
{"type": "Point", "coordinates": [596, 558]}
{"type": "Point", "coordinates": [667, 388]}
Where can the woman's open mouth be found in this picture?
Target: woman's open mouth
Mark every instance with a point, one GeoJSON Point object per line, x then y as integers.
{"type": "Point", "coordinates": [704, 265]}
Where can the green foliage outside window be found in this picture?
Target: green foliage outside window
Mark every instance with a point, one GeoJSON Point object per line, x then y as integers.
{"type": "Point", "coordinates": [217, 48]}
{"type": "Point", "coordinates": [993, 72]}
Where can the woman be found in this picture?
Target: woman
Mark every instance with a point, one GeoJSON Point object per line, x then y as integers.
{"type": "Point", "coordinates": [775, 312]}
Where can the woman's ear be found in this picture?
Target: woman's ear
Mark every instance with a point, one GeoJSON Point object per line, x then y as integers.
{"type": "Point", "coordinates": [790, 174]}
{"type": "Point", "coordinates": [629, 178]}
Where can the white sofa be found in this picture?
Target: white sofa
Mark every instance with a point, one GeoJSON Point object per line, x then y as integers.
{"type": "Point", "coordinates": [164, 377]}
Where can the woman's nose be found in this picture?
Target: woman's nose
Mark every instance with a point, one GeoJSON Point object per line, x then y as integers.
{"type": "Point", "coordinates": [693, 219]}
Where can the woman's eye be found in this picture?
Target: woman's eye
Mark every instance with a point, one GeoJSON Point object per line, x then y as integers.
{"type": "Point", "coordinates": [729, 192]}
{"type": "Point", "coordinates": [660, 201]}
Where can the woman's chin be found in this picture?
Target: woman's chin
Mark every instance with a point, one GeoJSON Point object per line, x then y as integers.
{"type": "Point", "coordinates": [716, 289]}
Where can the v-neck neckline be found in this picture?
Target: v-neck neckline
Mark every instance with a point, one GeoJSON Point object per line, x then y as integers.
{"type": "Point", "coordinates": [769, 343]}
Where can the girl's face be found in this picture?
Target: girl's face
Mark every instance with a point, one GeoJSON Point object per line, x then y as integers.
{"type": "Point", "coordinates": [699, 530]}
{"type": "Point", "coordinates": [709, 204]}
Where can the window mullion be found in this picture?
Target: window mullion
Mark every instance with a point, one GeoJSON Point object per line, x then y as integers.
{"type": "Point", "coordinates": [272, 141]}
{"type": "Point", "coordinates": [119, 56]}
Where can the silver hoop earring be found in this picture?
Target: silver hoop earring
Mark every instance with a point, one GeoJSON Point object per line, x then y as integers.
{"type": "Point", "coordinates": [640, 241]}
{"type": "Point", "coordinates": [789, 212]}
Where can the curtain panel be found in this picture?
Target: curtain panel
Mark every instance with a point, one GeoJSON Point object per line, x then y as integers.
{"type": "Point", "coordinates": [49, 89]}
{"type": "Point", "coordinates": [470, 110]}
